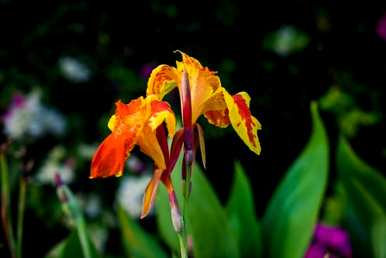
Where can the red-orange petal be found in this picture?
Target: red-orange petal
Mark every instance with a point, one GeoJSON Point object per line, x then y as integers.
{"type": "Point", "coordinates": [110, 157]}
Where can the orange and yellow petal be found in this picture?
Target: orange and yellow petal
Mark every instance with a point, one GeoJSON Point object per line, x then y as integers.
{"type": "Point", "coordinates": [149, 145]}
{"type": "Point", "coordinates": [162, 112]}
{"type": "Point", "coordinates": [203, 83]}
{"type": "Point", "coordinates": [150, 193]}
{"type": "Point", "coordinates": [163, 79]}
{"type": "Point", "coordinates": [110, 157]}
{"type": "Point", "coordinates": [242, 120]}
{"type": "Point", "coordinates": [216, 110]}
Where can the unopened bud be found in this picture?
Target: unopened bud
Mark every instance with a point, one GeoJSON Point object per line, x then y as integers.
{"type": "Point", "coordinates": [177, 220]}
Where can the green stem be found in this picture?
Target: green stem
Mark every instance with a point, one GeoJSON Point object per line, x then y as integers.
{"type": "Point", "coordinates": [5, 204]}
{"type": "Point", "coordinates": [183, 242]}
{"type": "Point", "coordinates": [77, 216]}
{"type": "Point", "coordinates": [20, 215]}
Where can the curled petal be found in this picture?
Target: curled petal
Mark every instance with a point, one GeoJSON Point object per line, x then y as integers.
{"type": "Point", "coordinates": [162, 80]}
{"type": "Point", "coordinates": [161, 112]}
{"type": "Point", "coordinates": [149, 145]}
{"type": "Point", "coordinates": [242, 120]}
{"type": "Point", "coordinates": [110, 157]}
{"type": "Point", "coordinates": [188, 61]}
{"type": "Point", "coordinates": [150, 192]}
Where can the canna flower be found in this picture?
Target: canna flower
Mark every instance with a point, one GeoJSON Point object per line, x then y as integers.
{"type": "Point", "coordinates": [140, 122]}
{"type": "Point", "coordinates": [201, 93]}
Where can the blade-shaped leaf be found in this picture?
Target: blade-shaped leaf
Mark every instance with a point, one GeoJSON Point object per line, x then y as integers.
{"type": "Point", "coordinates": [241, 214]}
{"type": "Point", "coordinates": [365, 192]}
{"type": "Point", "coordinates": [293, 210]}
{"type": "Point", "coordinates": [137, 243]}
{"type": "Point", "coordinates": [207, 223]}
{"type": "Point", "coordinates": [351, 167]}
{"type": "Point", "coordinates": [371, 218]}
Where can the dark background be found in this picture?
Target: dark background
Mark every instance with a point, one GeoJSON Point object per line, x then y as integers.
{"type": "Point", "coordinates": [343, 50]}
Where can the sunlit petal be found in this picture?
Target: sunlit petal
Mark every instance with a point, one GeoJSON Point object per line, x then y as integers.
{"type": "Point", "coordinates": [242, 120]}
{"type": "Point", "coordinates": [203, 83]}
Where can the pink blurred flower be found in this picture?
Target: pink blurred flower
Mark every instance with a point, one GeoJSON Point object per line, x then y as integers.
{"type": "Point", "coordinates": [329, 240]}
{"type": "Point", "coordinates": [381, 27]}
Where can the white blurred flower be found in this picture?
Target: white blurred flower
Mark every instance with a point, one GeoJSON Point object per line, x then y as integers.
{"type": "Point", "coordinates": [286, 40]}
{"type": "Point", "coordinates": [86, 151]}
{"type": "Point", "coordinates": [99, 236]}
{"type": "Point", "coordinates": [135, 165]}
{"type": "Point", "coordinates": [54, 165]}
{"type": "Point", "coordinates": [27, 117]}
{"type": "Point", "coordinates": [91, 205]}
{"type": "Point", "coordinates": [130, 193]}
{"type": "Point", "coordinates": [73, 70]}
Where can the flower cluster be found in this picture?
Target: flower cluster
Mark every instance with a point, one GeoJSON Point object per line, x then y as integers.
{"type": "Point", "coordinates": [148, 122]}
{"type": "Point", "coordinates": [27, 117]}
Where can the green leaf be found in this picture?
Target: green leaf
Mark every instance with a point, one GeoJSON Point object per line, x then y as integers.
{"type": "Point", "coordinates": [71, 247]}
{"type": "Point", "coordinates": [351, 167]}
{"type": "Point", "coordinates": [364, 189]}
{"type": "Point", "coordinates": [292, 213]}
{"type": "Point", "coordinates": [208, 225]}
{"type": "Point", "coordinates": [137, 243]}
{"type": "Point", "coordinates": [241, 214]}
{"type": "Point", "coordinates": [211, 234]}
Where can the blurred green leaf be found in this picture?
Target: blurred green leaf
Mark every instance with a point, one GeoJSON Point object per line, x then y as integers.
{"type": "Point", "coordinates": [72, 247]}
{"type": "Point", "coordinates": [291, 215]}
{"type": "Point", "coordinates": [241, 214]}
{"type": "Point", "coordinates": [137, 243]}
{"type": "Point", "coordinates": [351, 167]}
{"type": "Point", "coordinates": [129, 82]}
{"type": "Point", "coordinates": [365, 191]}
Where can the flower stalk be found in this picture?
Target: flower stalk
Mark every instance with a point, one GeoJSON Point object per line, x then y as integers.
{"type": "Point", "coordinates": [5, 206]}
{"type": "Point", "coordinates": [71, 207]}
{"type": "Point", "coordinates": [20, 215]}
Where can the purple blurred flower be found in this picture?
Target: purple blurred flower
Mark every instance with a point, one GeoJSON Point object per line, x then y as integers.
{"type": "Point", "coordinates": [329, 240]}
{"type": "Point", "coordinates": [146, 70]}
{"type": "Point", "coordinates": [381, 27]}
